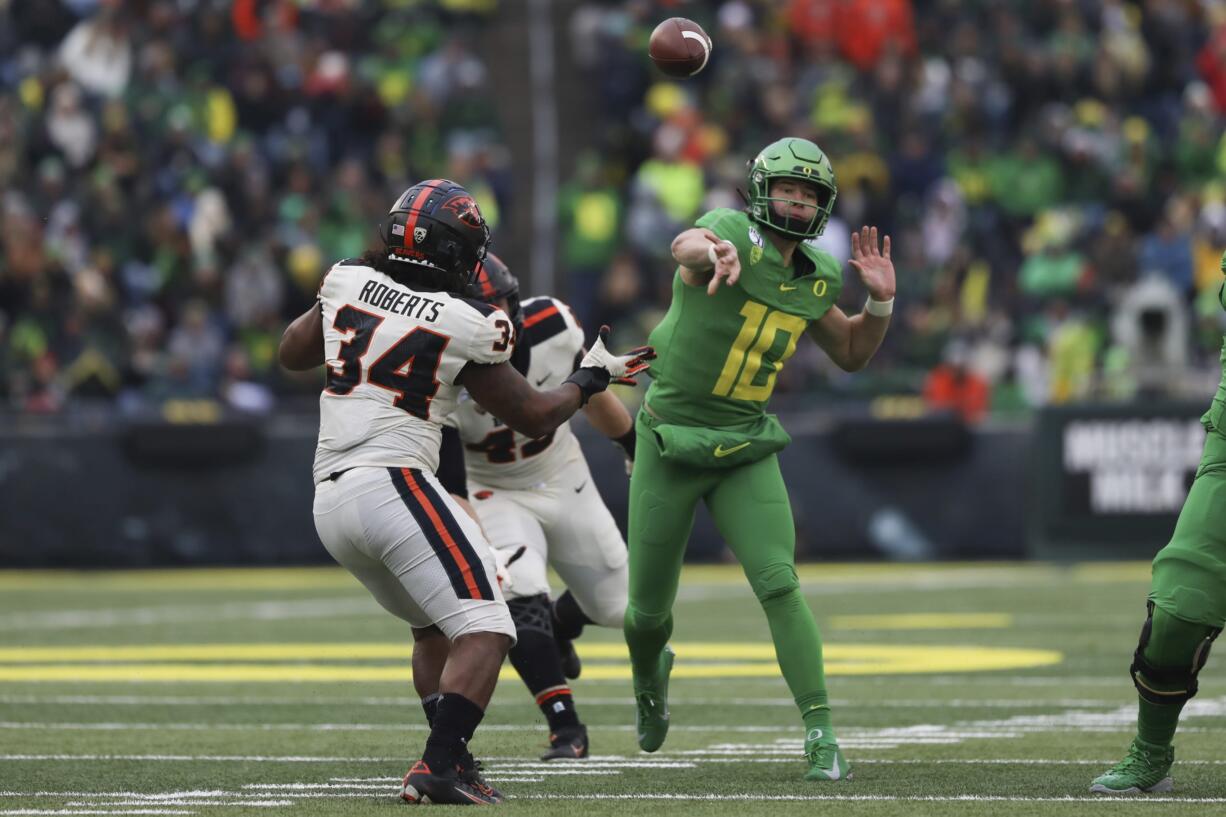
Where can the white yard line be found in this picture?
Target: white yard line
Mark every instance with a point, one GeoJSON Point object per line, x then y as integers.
{"type": "Point", "coordinates": [199, 758]}
{"type": "Point", "coordinates": [646, 796]}
{"type": "Point", "coordinates": [669, 760]}
{"type": "Point", "coordinates": [345, 727]}
{"type": "Point", "coordinates": [228, 798]}
{"type": "Point", "coordinates": [901, 798]}
{"type": "Point", "coordinates": [198, 796]}
{"type": "Point", "coordinates": [992, 729]}
{"type": "Point", "coordinates": [247, 700]}
{"type": "Point", "coordinates": [516, 766]}
{"type": "Point", "coordinates": [929, 703]}
{"type": "Point", "coordinates": [94, 811]}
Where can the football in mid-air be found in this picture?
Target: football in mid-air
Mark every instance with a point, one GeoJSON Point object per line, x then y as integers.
{"type": "Point", "coordinates": [679, 47]}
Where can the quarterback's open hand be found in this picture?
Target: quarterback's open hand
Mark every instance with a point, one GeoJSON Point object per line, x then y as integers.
{"type": "Point", "coordinates": [874, 265]}
{"type": "Point", "coordinates": [727, 265]}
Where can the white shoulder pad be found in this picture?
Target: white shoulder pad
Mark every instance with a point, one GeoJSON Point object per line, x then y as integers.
{"type": "Point", "coordinates": [574, 331]}
{"type": "Point", "coordinates": [550, 321]}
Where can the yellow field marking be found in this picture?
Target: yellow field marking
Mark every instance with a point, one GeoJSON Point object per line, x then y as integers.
{"type": "Point", "coordinates": [923, 621]}
{"type": "Point", "coordinates": [1112, 572]}
{"type": "Point", "coordinates": [307, 651]}
{"type": "Point", "coordinates": [304, 578]}
{"type": "Point", "coordinates": [200, 578]}
{"type": "Point", "coordinates": [212, 652]}
{"type": "Point", "coordinates": [695, 660]}
{"type": "Point", "coordinates": [854, 573]}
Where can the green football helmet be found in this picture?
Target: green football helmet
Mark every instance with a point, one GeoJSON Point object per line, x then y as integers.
{"type": "Point", "coordinates": [791, 158]}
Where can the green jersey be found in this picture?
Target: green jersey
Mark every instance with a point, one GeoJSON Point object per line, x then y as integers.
{"type": "Point", "coordinates": [1213, 417]}
{"type": "Point", "coordinates": [719, 354]}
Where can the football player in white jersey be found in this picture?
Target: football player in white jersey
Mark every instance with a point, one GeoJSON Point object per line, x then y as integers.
{"type": "Point", "coordinates": [538, 505]}
{"type": "Point", "coordinates": [400, 343]}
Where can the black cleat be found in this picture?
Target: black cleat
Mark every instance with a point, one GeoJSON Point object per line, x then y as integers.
{"type": "Point", "coordinates": [469, 771]}
{"type": "Point", "coordinates": [569, 744]}
{"type": "Point", "coordinates": [571, 665]}
{"type": "Point", "coordinates": [423, 786]}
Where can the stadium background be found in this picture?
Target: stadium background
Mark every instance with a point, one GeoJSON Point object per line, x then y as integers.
{"type": "Point", "coordinates": [176, 177]}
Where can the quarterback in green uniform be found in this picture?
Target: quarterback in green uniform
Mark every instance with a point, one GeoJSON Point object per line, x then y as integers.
{"type": "Point", "coordinates": [748, 285]}
{"type": "Point", "coordinates": [1186, 612]}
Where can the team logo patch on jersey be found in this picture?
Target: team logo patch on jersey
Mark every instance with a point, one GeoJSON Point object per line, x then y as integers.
{"type": "Point", "coordinates": [419, 234]}
{"type": "Point", "coordinates": [755, 252]}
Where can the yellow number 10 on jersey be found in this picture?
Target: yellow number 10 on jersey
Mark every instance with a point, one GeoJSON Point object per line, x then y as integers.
{"type": "Point", "coordinates": [755, 339]}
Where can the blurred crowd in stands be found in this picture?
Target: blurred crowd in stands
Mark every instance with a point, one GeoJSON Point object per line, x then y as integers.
{"type": "Point", "coordinates": [176, 175]}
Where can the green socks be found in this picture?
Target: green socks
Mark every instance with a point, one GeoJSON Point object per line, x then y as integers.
{"type": "Point", "coordinates": [798, 646]}
{"type": "Point", "coordinates": [815, 712]}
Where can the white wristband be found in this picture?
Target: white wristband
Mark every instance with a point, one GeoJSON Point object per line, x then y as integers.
{"type": "Point", "coordinates": [711, 250]}
{"type": "Point", "coordinates": [880, 309]}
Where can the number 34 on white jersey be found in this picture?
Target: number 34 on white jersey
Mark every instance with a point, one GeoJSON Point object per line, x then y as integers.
{"type": "Point", "coordinates": [392, 356]}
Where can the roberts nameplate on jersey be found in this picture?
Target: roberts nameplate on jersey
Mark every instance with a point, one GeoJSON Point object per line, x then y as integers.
{"type": "Point", "coordinates": [400, 301]}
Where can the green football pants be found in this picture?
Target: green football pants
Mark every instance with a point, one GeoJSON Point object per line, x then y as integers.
{"type": "Point", "coordinates": [1189, 577]}
{"type": "Point", "coordinates": [1188, 591]}
{"type": "Point", "coordinates": [750, 507]}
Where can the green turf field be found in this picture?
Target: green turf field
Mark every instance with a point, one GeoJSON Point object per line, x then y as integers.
{"type": "Point", "coordinates": [957, 689]}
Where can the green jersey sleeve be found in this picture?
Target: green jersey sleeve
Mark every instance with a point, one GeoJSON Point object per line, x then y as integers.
{"type": "Point", "coordinates": [729, 225]}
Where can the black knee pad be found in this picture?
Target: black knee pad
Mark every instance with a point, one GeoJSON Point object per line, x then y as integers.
{"type": "Point", "coordinates": [532, 614]}
{"type": "Point", "coordinates": [535, 655]}
{"type": "Point", "coordinates": [774, 581]}
{"type": "Point", "coordinates": [1182, 676]}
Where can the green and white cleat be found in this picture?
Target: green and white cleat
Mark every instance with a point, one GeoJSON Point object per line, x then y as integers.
{"type": "Point", "coordinates": [1146, 768]}
{"type": "Point", "coordinates": [826, 761]}
{"type": "Point", "coordinates": [651, 704]}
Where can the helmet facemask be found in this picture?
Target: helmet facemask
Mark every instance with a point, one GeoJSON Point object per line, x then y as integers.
{"type": "Point", "coordinates": [784, 223]}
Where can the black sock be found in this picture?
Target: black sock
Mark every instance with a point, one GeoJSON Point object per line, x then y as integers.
{"type": "Point", "coordinates": [430, 705]}
{"type": "Point", "coordinates": [568, 619]}
{"type": "Point", "coordinates": [535, 658]}
{"type": "Point", "coordinates": [558, 706]}
{"type": "Point", "coordinates": [455, 720]}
